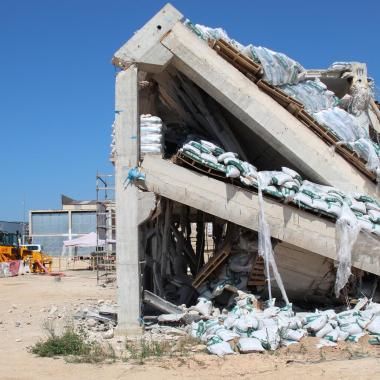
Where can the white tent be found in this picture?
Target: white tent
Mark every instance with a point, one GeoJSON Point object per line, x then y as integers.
{"type": "Point", "coordinates": [88, 240]}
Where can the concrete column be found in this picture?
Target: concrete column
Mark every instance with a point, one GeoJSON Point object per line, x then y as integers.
{"type": "Point", "coordinates": [127, 155]}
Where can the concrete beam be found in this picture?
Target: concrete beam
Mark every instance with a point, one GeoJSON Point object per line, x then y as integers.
{"type": "Point", "coordinates": [127, 244]}
{"type": "Point", "coordinates": [289, 224]}
{"type": "Point", "coordinates": [144, 48]}
{"type": "Point", "coordinates": [263, 115]}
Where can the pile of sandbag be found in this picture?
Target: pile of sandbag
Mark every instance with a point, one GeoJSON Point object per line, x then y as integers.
{"type": "Point", "coordinates": [287, 185]}
{"type": "Point", "coordinates": [247, 327]}
{"type": "Point", "coordinates": [349, 125]}
{"type": "Point", "coordinates": [151, 133]}
{"type": "Point", "coordinates": [214, 157]}
{"type": "Point", "coordinates": [349, 325]}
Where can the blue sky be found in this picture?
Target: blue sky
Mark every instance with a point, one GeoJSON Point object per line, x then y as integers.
{"type": "Point", "coordinates": [57, 82]}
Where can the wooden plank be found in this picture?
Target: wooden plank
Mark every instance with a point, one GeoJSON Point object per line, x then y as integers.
{"type": "Point", "coordinates": [212, 265]}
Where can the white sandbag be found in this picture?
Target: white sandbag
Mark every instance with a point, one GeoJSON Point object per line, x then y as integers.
{"type": "Point", "coordinates": [249, 169]}
{"type": "Point", "coordinates": [279, 178]}
{"type": "Point", "coordinates": [192, 149]}
{"type": "Point", "coordinates": [292, 173]}
{"type": "Point", "coordinates": [317, 323]}
{"type": "Point", "coordinates": [351, 328]}
{"type": "Point", "coordinates": [209, 157]}
{"type": "Point", "coordinates": [330, 313]}
{"type": "Point", "coordinates": [374, 326]}
{"type": "Point", "coordinates": [199, 146]}
{"type": "Point", "coordinates": [151, 148]}
{"type": "Point", "coordinates": [267, 322]}
{"type": "Point", "coordinates": [293, 323]}
{"type": "Point", "coordinates": [248, 345]}
{"type": "Point", "coordinates": [151, 139]}
{"type": "Point", "coordinates": [374, 216]}
{"type": "Point", "coordinates": [203, 306]}
{"type": "Point", "coordinates": [363, 322]}
{"type": "Point", "coordinates": [211, 146]}
{"type": "Point", "coordinates": [150, 128]}
{"type": "Point", "coordinates": [197, 329]}
{"type": "Point", "coordinates": [220, 349]}
{"type": "Point", "coordinates": [269, 337]}
{"type": "Point", "coordinates": [342, 335]}
{"type": "Point", "coordinates": [327, 328]}
{"type": "Point", "coordinates": [296, 335]}
{"type": "Point", "coordinates": [150, 119]}
{"type": "Point", "coordinates": [271, 311]}
{"type": "Point", "coordinates": [358, 206]}
{"type": "Point", "coordinates": [227, 335]}
{"type": "Point", "coordinates": [373, 307]}
{"type": "Point", "coordinates": [332, 335]}
{"type": "Point", "coordinates": [367, 314]}
{"type": "Point", "coordinates": [223, 156]}
{"type": "Point", "coordinates": [241, 327]}
{"type": "Point", "coordinates": [325, 343]}
{"type": "Point", "coordinates": [232, 171]}
{"type": "Point", "coordinates": [230, 320]}
{"type": "Point", "coordinates": [372, 206]}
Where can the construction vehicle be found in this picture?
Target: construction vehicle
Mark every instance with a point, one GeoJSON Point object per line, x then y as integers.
{"type": "Point", "coordinates": [31, 255]}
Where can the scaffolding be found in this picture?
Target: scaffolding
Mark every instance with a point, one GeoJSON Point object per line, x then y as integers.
{"type": "Point", "coordinates": [104, 259]}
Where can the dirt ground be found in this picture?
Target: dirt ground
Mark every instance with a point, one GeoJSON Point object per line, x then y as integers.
{"type": "Point", "coordinates": [27, 300]}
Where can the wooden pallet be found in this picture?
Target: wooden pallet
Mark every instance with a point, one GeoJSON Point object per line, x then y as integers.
{"type": "Point", "coordinates": [253, 71]}
{"type": "Point", "coordinates": [257, 277]}
{"type": "Point", "coordinates": [244, 64]}
{"type": "Point", "coordinates": [183, 160]}
{"type": "Point", "coordinates": [212, 265]}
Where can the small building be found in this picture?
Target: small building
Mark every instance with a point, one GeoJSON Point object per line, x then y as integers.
{"type": "Point", "coordinates": [51, 227]}
{"type": "Point", "coordinates": [13, 227]}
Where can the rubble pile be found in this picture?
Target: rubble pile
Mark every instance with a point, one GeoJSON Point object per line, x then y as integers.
{"type": "Point", "coordinates": [250, 326]}
{"type": "Point", "coordinates": [347, 118]}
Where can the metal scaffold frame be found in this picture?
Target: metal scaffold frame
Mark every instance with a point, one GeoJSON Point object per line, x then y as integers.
{"type": "Point", "coordinates": [104, 260]}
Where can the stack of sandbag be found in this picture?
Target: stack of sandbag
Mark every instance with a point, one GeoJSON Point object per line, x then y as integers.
{"type": "Point", "coordinates": [151, 135]}
{"type": "Point", "coordinates": [326, 199]}
{"type": "Point", "coordinates": [214, 157]}
{"type": "Point", "coordinates": [367, 211]}
{"type": "Point", "coordinates": [287, 185]}
{"type": "Point", "coordinates": [283, 184]}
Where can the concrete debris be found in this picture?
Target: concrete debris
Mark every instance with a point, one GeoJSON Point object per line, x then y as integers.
{"type": "Point", "coordinates": [108, 334]}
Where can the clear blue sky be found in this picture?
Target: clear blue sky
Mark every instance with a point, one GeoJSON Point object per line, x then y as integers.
{"type": "Point", "coordinates": [57, 82]}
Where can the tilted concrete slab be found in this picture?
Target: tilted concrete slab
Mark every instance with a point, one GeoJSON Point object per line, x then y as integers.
{"type": "Point", "coordinates": [288, 224]}
{"type": "Point", "coordinates": [263, 115]}
{"type": "Point", "coordinates": [144, 47]}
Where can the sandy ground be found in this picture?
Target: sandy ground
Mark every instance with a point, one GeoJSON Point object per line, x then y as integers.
{"type": "Point", "coordinates": [26, 301]}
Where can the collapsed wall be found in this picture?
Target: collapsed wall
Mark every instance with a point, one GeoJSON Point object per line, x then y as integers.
{"type": "Point", "coordinates": [169, 72]}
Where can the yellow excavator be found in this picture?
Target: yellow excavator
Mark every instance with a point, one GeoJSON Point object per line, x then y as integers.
{"type": "Point", "coordinates": [32, 255]}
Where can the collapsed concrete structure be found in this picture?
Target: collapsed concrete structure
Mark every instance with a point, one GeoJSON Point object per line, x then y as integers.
{"type": "Point", "coordinates": [213, 91]}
